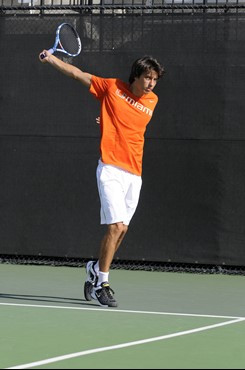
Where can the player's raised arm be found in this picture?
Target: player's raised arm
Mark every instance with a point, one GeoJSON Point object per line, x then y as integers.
{"type": "Point", "coordinates": [65, 68]}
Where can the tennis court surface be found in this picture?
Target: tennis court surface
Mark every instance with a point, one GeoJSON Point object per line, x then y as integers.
{"type": "Point", "coordinates": [164, 320]}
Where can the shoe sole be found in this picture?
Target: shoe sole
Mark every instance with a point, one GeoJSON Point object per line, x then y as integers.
{"type": "Point", "coordinates": [88, 285]}
{"type": "Point", "coordinates": [101, 304]}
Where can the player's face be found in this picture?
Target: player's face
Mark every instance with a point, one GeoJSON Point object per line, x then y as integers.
{"type": "Point", "coordinates": [145, 83]}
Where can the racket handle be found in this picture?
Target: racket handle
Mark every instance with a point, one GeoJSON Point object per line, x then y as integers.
{"type": "Point", "coordinates": [43, 55]}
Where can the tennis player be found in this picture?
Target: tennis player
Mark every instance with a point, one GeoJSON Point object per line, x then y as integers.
{"type": "Point", "coordinates": [126, 109]}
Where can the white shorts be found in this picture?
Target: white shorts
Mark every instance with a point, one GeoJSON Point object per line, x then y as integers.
{"type": "Point", "coordinates": [119, 192]}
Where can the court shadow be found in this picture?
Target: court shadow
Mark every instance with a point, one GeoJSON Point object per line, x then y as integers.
{"type": "Point", "coordinates": [43, 298]}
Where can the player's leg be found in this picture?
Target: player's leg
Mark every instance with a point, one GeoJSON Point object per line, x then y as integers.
{"type": "Point", "coordinates": [119, 194]}
{"type": "Point", "coordinates": [113, 211]}
{"type": "Point", "coordinates": [110, 243]}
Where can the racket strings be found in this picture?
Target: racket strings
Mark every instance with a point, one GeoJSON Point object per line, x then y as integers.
{"type": "Point", "coordinates": [69, 40]}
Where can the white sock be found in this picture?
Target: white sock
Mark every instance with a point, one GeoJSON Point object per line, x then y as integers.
{"type": "Point", "coordinates": [103, 277]}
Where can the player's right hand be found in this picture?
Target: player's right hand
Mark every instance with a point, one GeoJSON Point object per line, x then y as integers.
{"type": "Point", "coordinates": [44, 55]}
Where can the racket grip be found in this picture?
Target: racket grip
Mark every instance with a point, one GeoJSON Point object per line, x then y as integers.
{"type": "Point", "coordinates": [43, 55]}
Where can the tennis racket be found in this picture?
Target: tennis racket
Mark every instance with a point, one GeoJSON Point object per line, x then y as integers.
{"type": "Point", "coordinates": [67, 41]}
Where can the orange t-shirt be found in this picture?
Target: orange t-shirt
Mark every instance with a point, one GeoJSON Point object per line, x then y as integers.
{"type": "Point", "coordinates": [123, 121]}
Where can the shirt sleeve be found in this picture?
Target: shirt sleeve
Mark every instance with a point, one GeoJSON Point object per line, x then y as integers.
{"type": "Point", "coordinates": [99, 86]}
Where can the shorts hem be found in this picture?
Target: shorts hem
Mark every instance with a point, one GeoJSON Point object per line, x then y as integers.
{"type": "Point", "coordinates": [114, 222]}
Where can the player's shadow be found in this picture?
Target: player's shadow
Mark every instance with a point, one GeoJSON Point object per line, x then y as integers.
{"type": "Point", "coordinates": [43, 298]}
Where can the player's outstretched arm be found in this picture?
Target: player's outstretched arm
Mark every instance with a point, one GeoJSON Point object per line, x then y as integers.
{"type": "Point", "coordinates": [65, 68]}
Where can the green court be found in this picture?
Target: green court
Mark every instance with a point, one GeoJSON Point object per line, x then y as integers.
{"type": "Point", "coordinates": [164, 320]}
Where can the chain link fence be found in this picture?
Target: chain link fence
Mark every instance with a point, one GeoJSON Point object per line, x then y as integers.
{"type": "Point", "coordinates": [42, 7]}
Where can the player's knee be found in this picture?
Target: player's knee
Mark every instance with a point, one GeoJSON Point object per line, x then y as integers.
{"type": "Point", "coordinates": [125, 228]}
{"type": "Point", "coordinates": [118, 228]}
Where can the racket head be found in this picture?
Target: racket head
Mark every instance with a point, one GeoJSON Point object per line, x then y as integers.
{"type": "Point", "coordinates": [67, 40]}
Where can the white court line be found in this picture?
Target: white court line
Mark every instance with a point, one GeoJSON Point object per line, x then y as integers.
{"type": "Point", "coordinates": [119, 346]}
{"type": "Point", "coordinates": [117, 310]}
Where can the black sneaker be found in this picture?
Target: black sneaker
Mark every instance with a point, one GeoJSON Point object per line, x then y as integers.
{"type": "Point", "coordinates": [104, 295]}
{"type": "Point", "coordinates": [91, 280]}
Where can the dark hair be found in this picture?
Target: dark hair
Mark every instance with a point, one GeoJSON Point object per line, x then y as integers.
{"type": "Point", "coordinates": [145, 64]}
